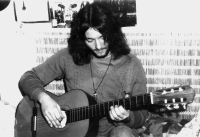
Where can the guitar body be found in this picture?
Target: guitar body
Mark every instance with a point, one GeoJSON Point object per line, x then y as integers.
{"type": "Point", "coordinates": [73, 99]}
{"type": "Point", "coordinates": [83, 113]}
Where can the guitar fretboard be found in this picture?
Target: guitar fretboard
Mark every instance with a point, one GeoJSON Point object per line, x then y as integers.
{"type": "Point", "coordinates": [102, 109]}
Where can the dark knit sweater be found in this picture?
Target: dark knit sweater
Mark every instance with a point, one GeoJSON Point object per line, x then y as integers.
{"type": "Point", "coordinates": [125, 75]}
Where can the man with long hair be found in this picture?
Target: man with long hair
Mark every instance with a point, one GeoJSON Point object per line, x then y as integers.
{"type": "Point", "coordinates": [97, 61]}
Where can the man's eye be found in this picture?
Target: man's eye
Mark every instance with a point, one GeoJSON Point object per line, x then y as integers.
{"type": "Point", "coordinates": [101, 37]}
{"type": "Point", "coordinates": [89, 40]}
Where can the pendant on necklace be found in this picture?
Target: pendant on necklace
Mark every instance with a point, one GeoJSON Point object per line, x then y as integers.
{"type": "Point", "coordinates": [95, 96]}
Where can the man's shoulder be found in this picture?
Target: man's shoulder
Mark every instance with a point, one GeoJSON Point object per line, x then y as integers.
{"type": "Point", "coordinates": [64, 52]}
{"type": "Point", "coordinates": [134, 60]}
{"type": "Point", "coordinates": [133, 57]}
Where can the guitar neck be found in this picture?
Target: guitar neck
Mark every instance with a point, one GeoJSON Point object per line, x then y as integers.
{"type": "Point", "coordinates": [102, 109]}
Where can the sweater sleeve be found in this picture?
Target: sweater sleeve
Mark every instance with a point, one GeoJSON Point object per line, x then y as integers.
{"type": "Point", "coordinates": [33, 82]}
{"type": "Point", "coordinates": [31, 85]}
{"type": "Point", "coordinates": [136, 84]}
{"type": "Point", "coordinates": [139, 116]}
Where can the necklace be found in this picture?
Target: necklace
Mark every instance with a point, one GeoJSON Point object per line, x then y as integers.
{"type": "Point", "coordinates": [95, 89]}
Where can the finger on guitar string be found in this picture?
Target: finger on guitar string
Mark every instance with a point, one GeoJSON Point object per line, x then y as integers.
{"type": "Point", "coordinates": [55, 118]}
{"type": "Point", "coordinates": [50, 109]}
{"type": "Point", "coordinates": [61, 114]}
{"type": "Point", "coordinates": [49, 122]}
{"type": "Point", "coordinates": [113, 114]}
{"type": "Point", "coordinates": [64, 120]}
{"type": "Point", "coordinates": [121, 112]}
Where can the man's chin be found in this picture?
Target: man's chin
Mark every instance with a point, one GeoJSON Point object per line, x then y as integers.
{"type": "Point", "coordinates": [101, 56]}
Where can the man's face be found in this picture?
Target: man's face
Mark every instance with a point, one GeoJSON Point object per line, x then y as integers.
{"type": "Point", "coordinates": [95, 41]}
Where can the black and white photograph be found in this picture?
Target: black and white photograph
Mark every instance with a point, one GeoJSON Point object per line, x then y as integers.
{"type": "Point", "coordinates": [62, 12]}
{"type": "Point", "coordinates": [99, 68]}
{"type": "Point", "coordinates": [28, 11]}
{"type": "Point", "coordinates": [125, 10]}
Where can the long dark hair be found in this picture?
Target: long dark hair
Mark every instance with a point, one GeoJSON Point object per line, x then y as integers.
{"type": "Point", "coordinates": [102, 19]}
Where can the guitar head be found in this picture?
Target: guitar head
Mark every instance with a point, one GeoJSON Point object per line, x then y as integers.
{"type": "Point", "coordinates": [173, 96]}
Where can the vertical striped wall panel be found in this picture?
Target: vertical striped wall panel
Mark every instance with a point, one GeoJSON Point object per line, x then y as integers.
{"type": "Point", "coordinates": [169, 59]}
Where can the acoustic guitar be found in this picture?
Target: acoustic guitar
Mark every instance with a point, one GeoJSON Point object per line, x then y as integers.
{"type": "Point", "coordinates": [82, 113]}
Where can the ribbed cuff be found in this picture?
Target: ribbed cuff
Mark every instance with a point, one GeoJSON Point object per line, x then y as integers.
{"type": "Point", "coordinates": [135, 120]}
{"type": "Point", "coordinates": [128, 121]}
{"type": "Point", "coordinates": [35, 93]}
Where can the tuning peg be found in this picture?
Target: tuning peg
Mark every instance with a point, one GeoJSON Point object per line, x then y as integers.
{"type": "Point", "coordinates": [184, 105]}
{"type": "Point", "coordinates": [176, 106]}
{"type": "Point", "coordinates": [181, 99]}
{"type": "Point", "coordinates": [172, 90]}
{"type": "Point", "coordinates": [180, 89]}
{"type": "Point", "coordinates": [168, 107]}
{"type": "Point", "coordinates": [164, 92]}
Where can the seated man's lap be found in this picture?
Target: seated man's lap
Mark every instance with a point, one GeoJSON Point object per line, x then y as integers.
{"type": "Point", "coordinates": [123, 131]}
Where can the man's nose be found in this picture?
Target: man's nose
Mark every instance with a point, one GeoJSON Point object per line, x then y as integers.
{"type": "Point", "coordinates": [97, 44]}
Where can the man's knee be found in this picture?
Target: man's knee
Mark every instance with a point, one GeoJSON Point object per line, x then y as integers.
{"type": "Point", "coordinates": [123, 131]}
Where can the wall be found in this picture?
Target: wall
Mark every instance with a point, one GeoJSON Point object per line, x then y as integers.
{"type": "Point", "coordinates": [17, 54]}
{"type": "Point", "coordinates": [180, 15]}
{"type": "Point", "coordinates": [153, 16]}
{"type": "Point", "coordinates": [167, 20]}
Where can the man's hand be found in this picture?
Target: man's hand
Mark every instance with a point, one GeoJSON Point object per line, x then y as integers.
{"type": "Point", "coordinates": [118, 113]}
{"type": "Point", "coordinates": [51, 110]}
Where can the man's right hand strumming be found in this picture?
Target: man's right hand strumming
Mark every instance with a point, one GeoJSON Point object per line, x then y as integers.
{"type": "Point", "coordinates": [51, 110]}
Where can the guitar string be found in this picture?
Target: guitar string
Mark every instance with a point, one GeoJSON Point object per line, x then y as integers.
{"type": "Point", "coordinates": [73, 112]}
{"type": "Point", "coordinates": [43, 123]}
{"type": "Point", "coordinates": [91, 106]}
{"type": "Point", "coordinates": [78, 110]}
{"type": "Point", "coordinates": [109, 102]}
